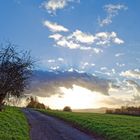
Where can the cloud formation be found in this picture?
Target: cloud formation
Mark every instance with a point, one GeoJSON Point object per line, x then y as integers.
{"type": "Point", "coordinates": [45, 83]}
{"type": "Point", "coordinates": [112, 10]}
{"type": "Point", "coordinates": [107, 38]}
{"type": "Point", "coordinates": [131, 74]}
{"type": "Point", "coordinates": [82, 37]}
{"type": "Point", "coordinates": [53, 5]}
{"type": "Point", "coordinates": [86, 41]}
{"type": "Point", "coordinates": [54, 27]}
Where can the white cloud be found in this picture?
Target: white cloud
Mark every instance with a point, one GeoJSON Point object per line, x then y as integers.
{"type": "Point", "coordinates": [86, 41]}
{"type": "Point", "coordinates": [51, 61]}
{"type": "Point", "coordinates": [112, 10]}
{"type": "Point", "coordinates": [64, 42]}
{"type": "Point", "coordinates": [113, 71]}
{"type": "Point", "coordinates": [118, 41]}
{"type": "Point", "coordinates": [103, 68]}
{"type": "Point", "coordinates": [107, 38]}
{"type": "Point", "coordinates": [120, 65]}
{"type": "Point", "coordinates": [54, 68]}
{"type": "Point", "coordinates": [95, 50]}
{"type": "Point", "coordinates": [60, 59]}
{"type": "Point", "coordinates": [131, 74]}
{"type": "Point", "coordinates": [53, 5]}
{"type": "Point", "coordinates": [54, 27]}
{"type": "Point", "coordinates": [55, 36]}
{"type": "Point", "coordinates": [86, 64]}
{"type": "Point", "coordinates": [92, 64]}
{"type": "Point", "coordinates": [82, 37]}
{"type": "Point", "coordinates": [81, 40]}
{"type": "Point", "coordinates": [119, 54]}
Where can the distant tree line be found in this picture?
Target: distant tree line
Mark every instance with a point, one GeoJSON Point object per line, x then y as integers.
{"type": "Point", "coordinates": [125, 110]}
{"type": "Point", "coordinates": [34, 103]}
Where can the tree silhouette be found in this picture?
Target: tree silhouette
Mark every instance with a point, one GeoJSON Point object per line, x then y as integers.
{"type": "Point", "coordinates": [15, 71]}
{"type": "Point", "coordinates": [67, 108]}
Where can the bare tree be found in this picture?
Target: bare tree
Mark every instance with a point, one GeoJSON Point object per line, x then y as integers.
{"type": "Point", "coordinates": [15, 71]}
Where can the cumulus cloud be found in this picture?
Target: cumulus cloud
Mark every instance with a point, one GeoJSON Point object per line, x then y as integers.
{"type": "Point", "coordinates": [81, 40]}
{"type": "Point", "coordinates": [54, 27]}
{"type": "Point", "coordinates": [118, 41]}
{"type": "Point", "coordinates": [53, 5]}
{"type": "Point", "coordinates": [82, 37]}
{"type": "Point", "coordinates": [107, 38]}
{"type": "Point", "coordinates": [131, 73]}
{"type": "Point", "coordinates": [112, 10]}
{"type": "Point", "coordinates": [68, 43]}
{"type": "Point", "coordinates": [86, 41]}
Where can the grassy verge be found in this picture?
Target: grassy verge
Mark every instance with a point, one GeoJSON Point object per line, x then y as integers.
{"type": "Point", "coordinates": [13, 125]}
{"type": "Point", "coordinates": [111, 127]}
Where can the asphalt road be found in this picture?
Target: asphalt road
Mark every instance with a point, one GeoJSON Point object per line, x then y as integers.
{"type": "Point", "coordinates": [45, 127]}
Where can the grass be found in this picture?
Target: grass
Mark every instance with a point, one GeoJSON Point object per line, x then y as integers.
{"type": "Point", "coordinates": [13, 125]}
{"type": "Point", "coordinates": [111, 127]}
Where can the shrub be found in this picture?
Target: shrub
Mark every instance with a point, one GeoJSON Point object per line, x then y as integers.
{"type": "Point", "coordinates": [35, 104]}
{"type": "Point", "coordinates": [67, 108]}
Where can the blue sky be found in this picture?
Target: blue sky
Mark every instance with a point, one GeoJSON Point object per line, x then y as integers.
{"type": "Point", "coordinates": [22, 23]}
{"type": "Point", "coordinates": [100, 37]}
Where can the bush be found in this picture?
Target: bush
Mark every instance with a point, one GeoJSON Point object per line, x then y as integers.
{"type": "Point", "coordinates": [67, 108]}
{"type": "Point", "coordinates": [35, 104]}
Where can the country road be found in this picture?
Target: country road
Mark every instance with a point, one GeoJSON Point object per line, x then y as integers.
{"type": "Point", "coordinates": [43, 127]}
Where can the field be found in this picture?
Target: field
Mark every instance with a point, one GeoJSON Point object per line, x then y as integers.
{"type": "Point", "coordinates": [13, 125]}
{"type": "Point", "coordinates": [110, 127]}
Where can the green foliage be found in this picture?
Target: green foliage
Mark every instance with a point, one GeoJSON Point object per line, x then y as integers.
{"type": "Point", "coordinates": [13, 125]}
{"type": "Point", "coordinates": [15, 72]}
{"type": "Point", "coordinates": [112, 127]}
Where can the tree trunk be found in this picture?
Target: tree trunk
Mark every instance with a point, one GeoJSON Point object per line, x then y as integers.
{"type": "Point", "coordinates": [1, 103]}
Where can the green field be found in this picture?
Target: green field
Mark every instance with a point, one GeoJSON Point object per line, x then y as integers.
{"type": "Point", "coordinates": [111, 127]}
{"type": "Point", "coordinates": [13, 125]}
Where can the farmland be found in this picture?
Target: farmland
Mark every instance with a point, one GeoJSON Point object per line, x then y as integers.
{"type": "Point", "coordinates": [111, 127]}
{"type": "Point", "coordinates": [13, 125]}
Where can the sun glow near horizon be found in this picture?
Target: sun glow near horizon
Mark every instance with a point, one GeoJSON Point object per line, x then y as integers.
{"type": "Point", "coordinates": [77, 98]}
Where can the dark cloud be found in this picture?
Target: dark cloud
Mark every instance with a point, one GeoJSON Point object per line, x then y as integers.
{"type": "Point", "coordinates": [46, 83]}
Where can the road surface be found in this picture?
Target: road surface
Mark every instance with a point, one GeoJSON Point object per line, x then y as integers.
{"type": "Point", "coordinates": [44, 127]}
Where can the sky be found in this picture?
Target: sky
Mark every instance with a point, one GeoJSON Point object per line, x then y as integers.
{"type": "Point", "coordinates": [99, 37]}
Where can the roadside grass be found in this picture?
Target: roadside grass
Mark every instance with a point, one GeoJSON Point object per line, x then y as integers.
{"type": "Point", "coordinates": [13, 125]}
{"type": "Point", "coordinates": [110, 127]}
